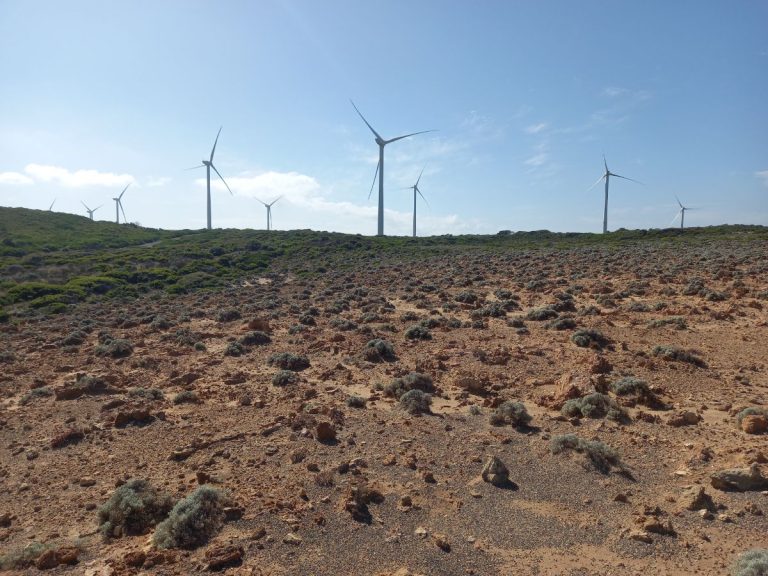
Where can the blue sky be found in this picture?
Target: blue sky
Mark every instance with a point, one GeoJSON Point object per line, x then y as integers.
{"type": "Point", "coordinates": [526, 97]}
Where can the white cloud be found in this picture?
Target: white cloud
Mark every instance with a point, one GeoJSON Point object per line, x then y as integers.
{"type": "Point", "coordinates": [537, 159]}
{"type": "Point", "coordinates": [78, 178]}
{"type": "Point", "coordinates": [536, 128]}
{"type": "Point", "coordinates": [14, 179]}
{"type": "Point", "coordinates": [614, 91]}
{"type": "Point", "coordinates": [158, 182]}
{"type": "Point", "coordinates": [762, 175]}
{"type": "Point", "coordinates": [295, 187]}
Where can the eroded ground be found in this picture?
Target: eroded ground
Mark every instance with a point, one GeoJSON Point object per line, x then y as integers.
{"type": "Point", "coordinates": [63, 450]}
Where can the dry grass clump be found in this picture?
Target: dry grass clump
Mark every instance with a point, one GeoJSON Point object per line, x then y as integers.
{"type": "Point", "coordinates": [288, 361]}
{"type": "Point", "coordinates": [595, 405]}
{"type": "Point", "coordinates": [193, 520]}
{"type": "Point", "coordinates": [416, 402]}
{"type": "Point", "coordinates": [600, 455]}
{"type": "Point", "coordinates": [751, 563]}
{"type": "Point", "coordinates": [512, 413]}
{"type": "Point", "coordinates": [675, 354]}
{"type": "Point", "coordinates": [132, 509]}
{"type": "Point", "coordinates": [412, 381]}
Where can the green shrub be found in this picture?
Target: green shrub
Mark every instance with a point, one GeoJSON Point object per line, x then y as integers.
{"type": "Point", "coordinates": [186, 397]}
{"type": "Point", "coordinates": [595, 405]}
{"type": "Point", "coordinates": [234, 349]}
{"type": "Point", "coordinates": [418, 332]}
{"type": "Point", "coordinates": [602, 456]}
{"type": "Point", "coordinates": [565, 323]}
{"type": "Point", "coordinates": [377, 350]}
{"type": "Point", "coordinates": [147, 393]}
{"type": "Point", "coordinates": [637, 390]}
{"type": "Point", "coordinates": [229, 315]}
{"type": "Point", "coordinates": [356, 401]}
{"type": "Point", "coordinates": [132, 509]}
{"type": "Point", "coordinates": [412, 381]}
{"type": "Point", "coordinates": [541, 314]}
{"type": "Point", "coordinates": [288, 361]}
{"type": "Point", "coordinates": [284, 377]}
{"type": "Point", "coordinates": [415, 401]}
{"type": "Point", "coordinates": [513, 413]}
{"type": "Point", "coordinates": [193, 520]}
{"type": "Point", "coordinates": [675, 321]}
{"type": "Point", "coordinates": [117, 348]}
{"type": "Point", "coordinates": [676, 354]}
{"type": "Point", "coordinates": [751, 563]}
{"type": "Point", "coordinates": [23, 557]}
{"type": "Point", "coordinates": [589, 339]}
{"type": "Point", "coordinates": [255, 338]}
{"type": "Point", "coordinates": [35, 394]}
{"type": "Point", "coordinates": [74, 338]}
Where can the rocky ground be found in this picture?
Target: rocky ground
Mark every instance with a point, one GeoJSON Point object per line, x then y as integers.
{"type": "Point", "coordinates": [324, 471]}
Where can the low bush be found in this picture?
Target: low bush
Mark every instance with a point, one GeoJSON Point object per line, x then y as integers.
{"type": "Point", "coordinates": [418, 332]}
{"type": "Point", "coordinates": [589, 339]}
{"type": "Point", "coordinates": [412, 381]}
{"type": "Point", "coordinates": [751, 411]}
{"type": "Point", "coordinates": [595, 405]}
{"type": "Point", "coordinates": [636, 389]}
{"type": "Point", "coordinates": [415, 401]}
{"type": "Point", "coordinates": [116, 348]}
{"type": "Point", "coordinates": [675, 354]}
{"type": "Point", "coordinates": [186, 397]}
{"type": "Point", "coordinates": [356, 401]}
{"type": "Point", "coordinates": [22, 557]}
{"type": "Point", "coordinates": [565, 323]}
{"type": "Point", "coordinates": [132, 509]}
{"type": "Point", "coordinates": [377, 350]}
{"type": "Point", "coordinates": [193, 520]}
{"type": "Point", "coordinates": [35, 394]}
{"type": "Point", "coordinates": [751, 563]}
{"type": "Point", "coordinates": [229, 315]}
{"type": "Point", "coordinates": [147, 393]}
{"type": "Point", "coordinates": [255, 338]}
{"type": "Point", "coordinates": [234, 349]}
{"type": "Point", "coordinates": [541, 314]}
{"type": "Point", "coordinates": [512, 413]}
{"type": "Point", "coordinates": [675, 321]}
{"type": "Point", "coordinates": [284, 377]}
{"type": "Point", "coordinates": [600, 455]}
{"type": "Point", "coordinates": [288, 361]}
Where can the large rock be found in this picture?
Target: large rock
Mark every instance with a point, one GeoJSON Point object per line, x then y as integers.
{"type": "Point", "coordinates": [754, 424]}
{"type": "Point", "coordinates": [683, 418]}
{"type": "Point", "coordinates": [740, 479]}
{"type": "Point", "coordinates": [495, 472]}
{"type": "Point", "coordinates": [695, 498]}
{"type": "Point", "coordinates": [224, 556]}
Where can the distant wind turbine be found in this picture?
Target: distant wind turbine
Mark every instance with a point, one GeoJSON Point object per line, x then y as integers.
{"type": "Point", "coordinates": [380, 166]}
{"type": "Point", "coordinates": [607, 177]}
{"type": "Point", "coordinates": [119, 206]}
{"type": "Point", "coordinates": [416, 190]}
{"type": "Point", "coordinates": [50, 208]}
{"type": "Point", "coordinates": [680, 213]}
{"type": "Point", "coordinates": [208, 165]}
{"type": "Point", "coordinates": [90, 212]}
{"type": "Point", "coordinates": [269, 211]}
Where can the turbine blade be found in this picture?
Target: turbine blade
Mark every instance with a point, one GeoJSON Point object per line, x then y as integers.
{"type": "Point", "coordinates": [407, 136]}
{"type": "Point", "coordinates": [125, 220]}
{"type": "Point", "coordinates": [265, 204]}
{"type": "Point", "coordinates": [605, 163]}
{"type": "Point", "coordinates": [275, 200]}
{"type": "Point", "coordinates": [124, 189]}
{"type": "Point", "coordinates": [423, 198]}
{"type": "Point", "coordinates": [625, 178]}
{"type": "Point", "coordinates": [676, 217]}
{"type": "Point", "coordinates": [419, 178]}
{"type": "Point", "coordinates": [86, 205]}
{"type": "Point", "coordinates": [596, 183]}
{"type": "Point", "coordinates": [374, 179]}
{"type": "Point", "coordinates": [678, 201]}
{"type": "Point", "coordinates": [214, 143]}
{"type": "Point", "coordinates": [195, 167]}
{"type": "Point", "coordinates": [222, 179]}
{"type": "Point", "coordinates": [366, 121]}
{"type": "Point", "coordinates": [99, 206]}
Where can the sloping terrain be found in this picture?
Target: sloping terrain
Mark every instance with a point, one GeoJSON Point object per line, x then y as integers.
{"type": "Point", "coordinates": [634, 359]}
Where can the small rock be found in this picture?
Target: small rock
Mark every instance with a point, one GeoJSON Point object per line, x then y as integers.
{"type": "Point", "coordinates": [640, 536]}
{"type": "Point", "coordinates": [420, 532]}
{"type": "Point", "coordinates": [706, 514]}
{"type": "Point", "coordinates": [442, 542]}
{"type": "Point", "coordinates": [695, 498]}
{"type": "Point", "coordinates": [325, 432]}
{"type": "Point", "coordinates": [135, 558]}
{"type": "Point", "coordinates": [740, 479]}
{"type": "Point", "coordinates": [657, 526]}
{"type": "Point", "coordinates": [621, 497]}
{"type": "Point", "coordinates": [87, 481]}
{"type": "Point", "coordinates": [495, 472]}
{"type": "Point", "coordinates": [683, 418]}
{"type": "Point", "coordinates": [67, 555]}
{"type": "Point", "coordinates": [291, 538]}
{"type": "Point", "coordinates": [46, 560]}
{"type": "Point", "coordinates": [724, 518]}
{"type": "Point", "coordinates": [5, 520]}
{"type": "Point", "coordinates": [224, 556]}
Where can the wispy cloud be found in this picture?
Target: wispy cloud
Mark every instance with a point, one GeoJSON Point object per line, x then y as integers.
{"type": "Point", "coordinates": [14, 179]}
{"type": "Point", "coordinates": [78, 178]}
{"type": "Point", "coordinates": [537, 160]}
{"type": "Point", "coordinates": [762, 175]}
{"type": "Point", "coordinates": [536, 128]}
{"type": "Point", "coordinates": [158, 182]}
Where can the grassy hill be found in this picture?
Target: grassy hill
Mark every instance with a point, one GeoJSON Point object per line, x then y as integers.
{"type": "Point", "coordinates": [50, 260]}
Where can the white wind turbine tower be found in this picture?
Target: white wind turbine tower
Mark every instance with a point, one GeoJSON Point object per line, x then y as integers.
{"type": "Point", "coordinates": [680, 213]}
{"type": "Point", "coordinates": [208, 165]}
{"type": "Point", "coordinates": [416, 190]}
{"type": "Point", "coordinates": [607, 177]}
{"type": "Point", "coordinates": [380, 166]}
{"type": "Point", "coordinates": [90, 212]}
{"type": "Point", "coordinates": [119, 206]}
{"type": "Point", "coordinates": [269, 211]}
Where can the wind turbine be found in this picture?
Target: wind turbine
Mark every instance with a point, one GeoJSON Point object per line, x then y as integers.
{"type": "Point", "coordinates": [380, 166]}
{"type": "Point", "coordinates": [90, 212]}
{"type": "Point", "coordinates": [416, 190]}
{"type": "Point", "coordinates": [680, 213]}
{"type": "Point", "coordinates": [119, 206]}
{"type": "Point", "coordinates": [607, 177]}
{"type": "Point", "coordinates": [269, 211]}
{"type": "Point", "coordinates": [50, 208]}
{"type": "Point", "coordinates": [208, 165]}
